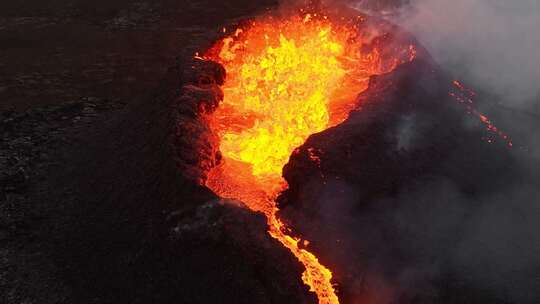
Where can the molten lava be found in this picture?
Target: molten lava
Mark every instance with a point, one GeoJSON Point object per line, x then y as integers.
{"type": "Point", "coordinates": [286, 79]}
{"type": "Point", "coordinates": [465, 96]}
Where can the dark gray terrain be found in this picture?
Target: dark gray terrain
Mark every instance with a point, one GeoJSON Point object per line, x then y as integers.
{"type": "Point", "coordinates": [92, 206]}
{"type": "Point", "coordinates": [409, 204]}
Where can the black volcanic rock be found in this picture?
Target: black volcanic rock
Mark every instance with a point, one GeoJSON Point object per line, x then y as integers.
{"type": "Point", "coordinates": [121, 215]}
{"type": "Point", "coordinates": [95, 206]}
{"type": "Point", "coordinates": [382, 196]}
{"type": "Point", "coordinates": [195, 144]}
{"type": "Point", "coordinates": [227, 240]}
{"type": "Point", "coordinates": [406, 127]}
{"type": "Point", "coordinates": [218, 250]}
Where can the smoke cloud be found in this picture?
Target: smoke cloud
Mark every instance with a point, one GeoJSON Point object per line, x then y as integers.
{"type": "Point", "coordinates": [492, 44]}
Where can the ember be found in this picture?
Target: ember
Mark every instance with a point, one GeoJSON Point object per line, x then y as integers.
{"type": "Point", "coordinates": [465, 96]}
{"type": "Point", "coordinates": [287, 79]}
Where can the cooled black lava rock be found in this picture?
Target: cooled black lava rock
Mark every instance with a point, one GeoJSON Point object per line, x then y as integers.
{"type": "Point", "coordinates": [224, 247]}
{"type": "Point", "coordinates": [384, 197]}
{"type": "Point", "coordinates": [203, 72]}
{"type": "Point", "coordinates": [136, 226]}
{"type": "Point", "coordinates": [219, 251]}
{"type": "Point", "coordinates": [406, 127]}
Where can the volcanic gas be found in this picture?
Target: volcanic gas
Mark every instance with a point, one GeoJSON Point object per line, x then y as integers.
{"type": "Point", "coordinates": [288, 78]}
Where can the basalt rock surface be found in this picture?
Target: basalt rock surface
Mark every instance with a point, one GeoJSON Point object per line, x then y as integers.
{"type": "Point", "coordinates": [101, 203]}
{"type": "Point", "coordinates": [383, 197]}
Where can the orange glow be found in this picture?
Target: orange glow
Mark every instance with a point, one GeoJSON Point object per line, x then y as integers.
{"type": "Point", "coordinates": [286, 79]}
{"type": "Point", "coordinates": [465, 96]}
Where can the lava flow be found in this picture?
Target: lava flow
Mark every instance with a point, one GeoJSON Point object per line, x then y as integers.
{"type": "Point", "coordinates": [286, 79]}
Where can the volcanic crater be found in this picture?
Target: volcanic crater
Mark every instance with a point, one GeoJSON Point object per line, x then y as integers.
{"type": "Point", "coordinates": [288, 112]}
{"type": "Point", "coordinates": [292, 156]}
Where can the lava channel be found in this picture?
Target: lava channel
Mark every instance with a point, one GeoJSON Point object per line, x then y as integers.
{"type": "Point", "coordinates": [287, 78]}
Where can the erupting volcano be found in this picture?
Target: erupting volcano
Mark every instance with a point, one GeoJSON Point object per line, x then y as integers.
{"type": "Point", "coordinates": [290, 152]}
{"type": "Point", "coordinates": [288, 78]}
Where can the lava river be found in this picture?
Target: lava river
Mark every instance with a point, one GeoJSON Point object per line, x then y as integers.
{"type": "Point", "coordinates": [287, 78]}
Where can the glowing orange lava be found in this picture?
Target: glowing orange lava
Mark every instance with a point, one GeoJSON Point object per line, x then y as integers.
{"type": "Point", "coordinates": [286, 79]}
{"type": "Point", "coordinates": [465, 96]}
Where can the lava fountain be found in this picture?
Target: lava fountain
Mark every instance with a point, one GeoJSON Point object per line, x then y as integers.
{"type": "Point", "coordinates": [287, 78]}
